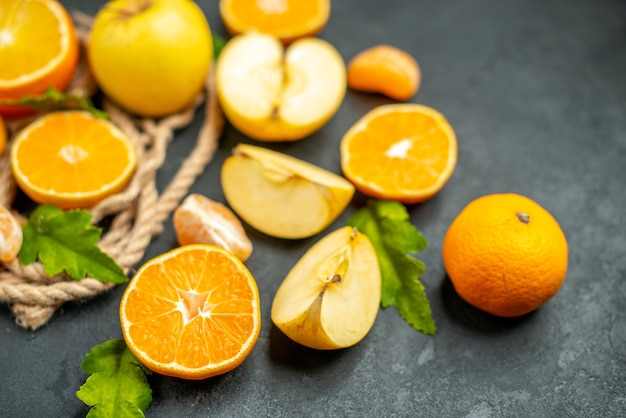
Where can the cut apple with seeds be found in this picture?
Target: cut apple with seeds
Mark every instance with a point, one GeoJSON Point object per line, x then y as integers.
{"type": "Point", "coordinates": [273, 93]}
{"type": "Point", "coordinates": [330, 298]}
{"type": "Point", "coordinates": [282, 196]}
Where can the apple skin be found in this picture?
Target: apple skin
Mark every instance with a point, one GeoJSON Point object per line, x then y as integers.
{"type": "Point", "coordinates": [282, 196]}
{"type": "Point", "coordinates": [331, 297]}
{"type": "Point", "coordinates": [273, 93]}
{"type": "Point", "coordinates": [151, 56]}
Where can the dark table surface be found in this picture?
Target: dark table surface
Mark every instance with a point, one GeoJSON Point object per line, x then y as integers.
{"type": "Point", "coordinates": [536, 92]}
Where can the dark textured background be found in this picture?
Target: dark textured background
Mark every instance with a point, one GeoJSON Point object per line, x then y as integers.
{"type": "Point", "coordinates": [536, 91]}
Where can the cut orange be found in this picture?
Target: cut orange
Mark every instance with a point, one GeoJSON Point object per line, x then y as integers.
{"type": "Point", "coordinates": [191, 313]}
{"type": "Point", "coordinates": [38, 49]}
{"type": "Point", "coordinates": [72, 159]}
{"type": "Point", "coordinates": [387, 70]}
{"type": "Point", "coordinates": [3, 136]}
{"type": "Point", "coordinates": [287, 20]}
{"type": "Point", "coordinates": [404, 152]}
{"type": "Point", "coordinates": [10, 235]}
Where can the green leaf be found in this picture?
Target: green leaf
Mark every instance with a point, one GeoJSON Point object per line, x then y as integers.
{"type": "Point", "coordinates": [218, 44]}
{"type": "Point", "coordinates": [66, 241]}
{"type": "Point", "coordinates": [387, 225]}
{"type": "Point", "coordinates": [52, 100]}
{"type": "Point", "coordinates": [117, 385]}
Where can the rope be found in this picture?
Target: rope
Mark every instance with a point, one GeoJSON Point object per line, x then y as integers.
{"type": "Point", "coordinates": [138, 212]}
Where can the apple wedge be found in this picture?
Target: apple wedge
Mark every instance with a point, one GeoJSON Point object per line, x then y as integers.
{"type": "Point", "coordinates": [273, 93]}
{"type": "Point", "coordinates": [331, 297]}
{"type": "Point", "coordinates": [282, 196]}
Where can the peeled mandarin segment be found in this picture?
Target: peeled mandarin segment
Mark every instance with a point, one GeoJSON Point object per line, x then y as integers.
{"type": "Point", "coordinates": [72, 159]}
{"type": "Point", "coordinates": [200, 220]}
{"type": "Point", "coordinates": [38, 39]}
{"type": "Point", "coordinates": [387, 70]}
{"type": "Point", "coordinates": [271, 93]}
{"type": "Point", "coordinates": [10, 236]}
{"type": "Point", "coordinates": [403, 152]}
{"type": "Point", "coordinates": [191, 313]}
{"type": "Point", "coordinates": [505, 254]}
{"type": "Point", "coordinates": [3, 136]}
{"type": "Point", "coordinates": [330, 298]}
{"type": "Point", "coordinates": [287, 20]}
{"type": "Point", "coordinates": [282, 196]}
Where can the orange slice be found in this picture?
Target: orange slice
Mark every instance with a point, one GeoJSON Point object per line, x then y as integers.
{"type": "Point", "coordinates": [404, 152]}
{"type": "Point", "coordinates": [287, 20]}
{"type": "Point", "coordinates": [3, 136]}
{"type": "Point", "coordinates": [38, 49]}
{"type": "Point", "coordinates": [10, 235]}
{"type": "Point", "coordinates": [387, 70]}
{"type": "Point", "coordinates": [72, 159]}
{"type": "Point", "coordinates": [192, 313]}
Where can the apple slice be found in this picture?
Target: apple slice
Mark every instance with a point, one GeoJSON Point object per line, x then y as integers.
{"type": "Point", "coordinates": [330, 298]}
{"type": "Point", "coordinates": [275, 94]}
{"type": "Point", "coordinates": [280, 195]}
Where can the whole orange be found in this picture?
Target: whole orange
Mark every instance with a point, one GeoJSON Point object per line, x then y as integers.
{"type": "Point", "coordinates": [505, 254]}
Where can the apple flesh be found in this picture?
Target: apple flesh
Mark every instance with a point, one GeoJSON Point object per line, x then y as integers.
{"type": "Point", "coordinates": [273, 93]}
{"type": "Point", "coordinates": [282, 196]}
{"type": "Point", "coordinates": [330, 298]}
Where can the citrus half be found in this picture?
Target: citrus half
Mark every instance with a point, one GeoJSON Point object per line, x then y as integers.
{"type": "Point", "coordinates": [192, 312]}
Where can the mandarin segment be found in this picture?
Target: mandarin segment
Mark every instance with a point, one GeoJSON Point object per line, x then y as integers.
{"type": "Point", "coordinates": [404, 152]}
{"type": "Point", "coordinates": [38, 38]}
{"type": "Point", "coordinates": [72, 159]}
{"type": "Point", "coordinates": [10, 236]}
{"type": "Point", "coordinates": [208, 328]}
{"type": "Point", "coordinates": [387, 70]}
{"type": "Point", "coordinates": [3, 136]}
{"type": "Point", "coordinates": [200, 220]}
{"type": "Point", "coordinates": [505, 254]}
{"type": "Point", "coordinates": [287, 20]}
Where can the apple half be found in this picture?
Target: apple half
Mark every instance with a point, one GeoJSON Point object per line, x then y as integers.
{"type": "Point", "coordinates": [273, 93]}
{"type": "Point", "coordinates": [282, 196]}
{"type": "Point", "coordinates": [330, 298]}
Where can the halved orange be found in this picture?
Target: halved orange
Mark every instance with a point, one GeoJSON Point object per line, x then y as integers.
{"type": "Point", "coordinates": [38, 49]}
{"type": "Point", "coordinates": [287, 20]}
{"type": "Point", "coordinates": [404, 152]}
{"type": "Point", "coordinates": [191, 313]}
{"type": "Point", "coordinates": [72, 159]}
{"type": "Point", "coordinates": [10, 235]}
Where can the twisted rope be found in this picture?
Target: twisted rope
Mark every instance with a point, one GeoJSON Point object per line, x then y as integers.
{"type": "Point", "coordinates": [138, 212]}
